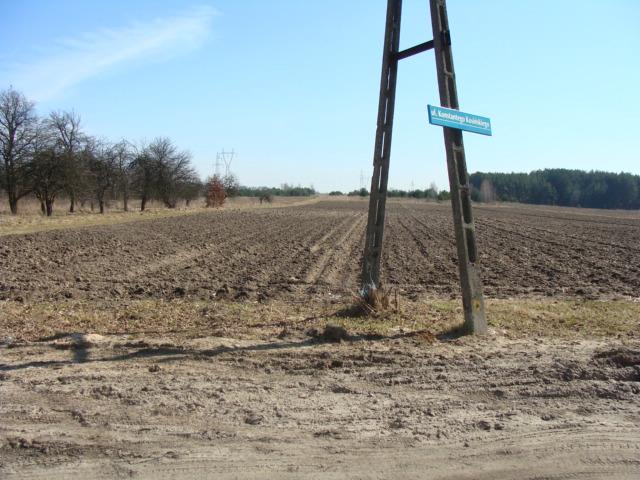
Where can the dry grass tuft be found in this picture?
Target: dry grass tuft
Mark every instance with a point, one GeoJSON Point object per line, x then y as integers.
{"type": "Point", "coordinates": [375, 301]}
{"type": "Point", "coordinates": [427, 318]}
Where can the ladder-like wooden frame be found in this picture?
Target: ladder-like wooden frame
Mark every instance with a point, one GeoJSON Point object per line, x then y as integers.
{"type": "Point", "coordinates": [470, 282]}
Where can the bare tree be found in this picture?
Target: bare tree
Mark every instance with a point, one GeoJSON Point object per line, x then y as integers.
{"type": "Point", "coordinates": [48, 178]}
{"type": "Point", "coordinates": [124, 166]}
{"type": "Point", "coordinates": [101, 161]}
{"type": "Point", "coordinates": [47, 170]}
{"type": "Point", "coordinates": [17, 135]}
{"type": "Point", "coordinates": [231, 184]}
{"type": "Point", "coordinates": [191, 188]}
{"type": "Point", "coordinates": [173, 170]}
{"type": "Point", "coordinates": [70, 139]}
{"type": "Point", "coordinates": [143, 176]}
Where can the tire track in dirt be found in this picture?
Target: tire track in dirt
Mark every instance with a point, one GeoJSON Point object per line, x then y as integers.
{"type": "Point", "coordinates": [296, 245]}
{"type": "Point", "coordinates": [348, 278]}
{"type": "Point", "coordinates": [320, 243]}
{"type": "Point", "coordinates": [180, 407]}
{"type": "Point", "coordinates": [260, 266]}
{"type": "Point", "coordinates": [413, 263]}
{"type": "Point", "coordinates": [313, 228]}
{"type": "Point", "coordinates": [335, 258]}
{"type": "Point", "coordinates": [208, 250]}
{"type": "Point", "coordinates": [342, 268]}
{"type": "Point", "coordinates": [238, 261]}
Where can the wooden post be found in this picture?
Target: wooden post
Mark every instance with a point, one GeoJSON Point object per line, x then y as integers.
{"type": "Point", "coordinates": [382, 149]}
{"type": "Point", "coordinates": [472, 299]}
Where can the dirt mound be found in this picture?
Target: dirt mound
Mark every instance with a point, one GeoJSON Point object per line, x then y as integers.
{"type": "Point", "coordinates": [620, 357]}
{"type": "Point", "coordinates": [334, 333]}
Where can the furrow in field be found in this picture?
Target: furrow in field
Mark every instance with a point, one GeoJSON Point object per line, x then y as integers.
{"type": "Point", "coordinates": [558, 236]}
{"type": "Point", "coordinates": [285, 251]}
{"type": "Point", "coordinates": [334, 254]}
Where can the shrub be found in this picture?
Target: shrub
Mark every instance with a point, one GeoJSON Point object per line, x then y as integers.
{"type": "Point", "coordinates": [216, 193]}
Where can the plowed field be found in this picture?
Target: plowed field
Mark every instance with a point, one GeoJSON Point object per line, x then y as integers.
{"type": "Point", "coordinates": [316, 248]}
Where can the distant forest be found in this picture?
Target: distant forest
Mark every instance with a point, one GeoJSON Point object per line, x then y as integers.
{"type": "Point", "coordinates": [285, 190]}
{"type": "Point", "coordinates": [571, 188]}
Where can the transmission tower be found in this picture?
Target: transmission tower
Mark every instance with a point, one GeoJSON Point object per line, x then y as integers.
{"type": "Point", "coordinates": [226, 158]}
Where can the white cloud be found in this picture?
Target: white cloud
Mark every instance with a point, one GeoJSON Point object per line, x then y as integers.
{"type": "Point", "coordinates": [74, 60]}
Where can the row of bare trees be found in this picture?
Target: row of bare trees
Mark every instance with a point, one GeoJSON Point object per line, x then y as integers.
{"type": "Point", "coordinates": [52, 156]}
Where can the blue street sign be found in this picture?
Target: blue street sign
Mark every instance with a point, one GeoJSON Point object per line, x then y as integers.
{"type": "Point", "coordinates": [448, 117]}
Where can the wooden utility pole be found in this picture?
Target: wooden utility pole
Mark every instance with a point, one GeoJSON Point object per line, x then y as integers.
{"type": "Point", "coordinates": [472, 299]}
{"type": "Point", "coordinates": [382, 149]}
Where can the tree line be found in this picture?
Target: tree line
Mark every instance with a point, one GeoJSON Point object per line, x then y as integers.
{"type": "Point", "coordinates": [51, 156]}
{"type": "Point", "coordinates": [430, 193]}
{"type": "Point", "coordinates": [285, 190]}
{"type": "Point", "coordinates": [572, 188]}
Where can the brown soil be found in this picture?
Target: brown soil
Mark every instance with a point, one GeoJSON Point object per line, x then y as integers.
{"type": "Point", "coordinates": [251, 386]}
{"type": "Point", "coordinates": [316, 248]}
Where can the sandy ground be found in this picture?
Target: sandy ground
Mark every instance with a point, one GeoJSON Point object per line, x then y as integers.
{"type": "Point", "coordinates": [297, 406]}
{"type": "Point", "coordinates": [202, 353]}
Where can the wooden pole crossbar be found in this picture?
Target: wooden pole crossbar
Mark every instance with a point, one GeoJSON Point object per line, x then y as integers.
{"type": "Point", "coordinates": [470, 282]}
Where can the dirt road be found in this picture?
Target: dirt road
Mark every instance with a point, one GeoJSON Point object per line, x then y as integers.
{"type": "Point", "coordinates": [298, 407]}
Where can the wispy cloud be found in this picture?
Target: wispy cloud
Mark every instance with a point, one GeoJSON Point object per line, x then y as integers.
{"type": "Point", "coordinates": [73, 60]}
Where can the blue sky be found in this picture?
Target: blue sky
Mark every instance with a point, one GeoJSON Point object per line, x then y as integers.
{"type": "Point", "coordinates": [292, 85]}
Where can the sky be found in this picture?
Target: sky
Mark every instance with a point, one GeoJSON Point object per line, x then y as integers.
{"type": "Point", "coordinates": [292, 86]}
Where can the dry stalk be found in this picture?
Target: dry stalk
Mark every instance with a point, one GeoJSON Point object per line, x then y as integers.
{"type": "Point", "coordinates": [373, 302]}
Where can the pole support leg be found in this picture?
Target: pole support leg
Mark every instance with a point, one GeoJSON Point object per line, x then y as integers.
{"type": "Point", "coordinates": [472, 298]}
